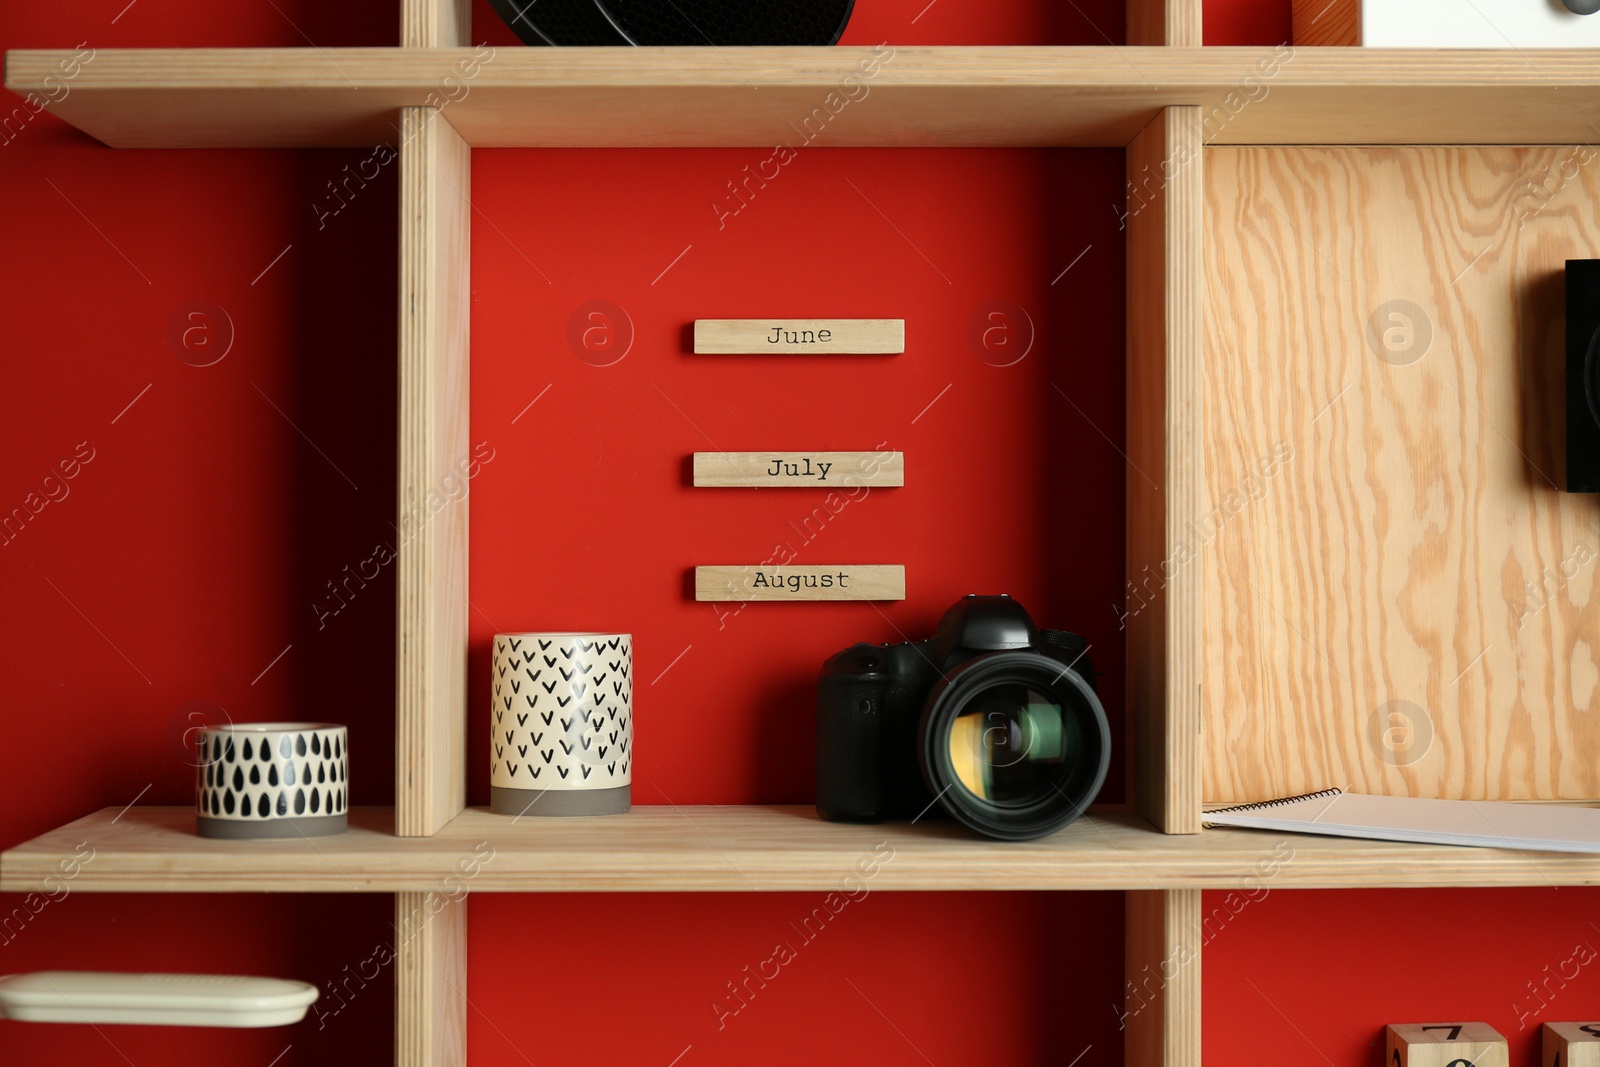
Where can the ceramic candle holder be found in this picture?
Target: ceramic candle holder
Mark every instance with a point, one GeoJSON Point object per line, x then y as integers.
{"type": "Point", "coordinates": [273, 779]}
{"type": "Point", "coordinates": [562, 724]}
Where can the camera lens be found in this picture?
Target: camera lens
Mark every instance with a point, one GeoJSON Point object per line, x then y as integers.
{"type": "Point", "coordinates": [1014, 745]}
{"type": "Point", "coordinates": [1011, 742]}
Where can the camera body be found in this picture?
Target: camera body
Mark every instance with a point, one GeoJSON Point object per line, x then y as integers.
{"type": "Point", "coordinates": [885, 714]}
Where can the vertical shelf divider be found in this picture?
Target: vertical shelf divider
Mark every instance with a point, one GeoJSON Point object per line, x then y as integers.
{"type": "Point", "coordinates": [1166, 291]}
{"type": "Point", "coordinates": [435, 23]}
{"type": "Point", "coordinates": [1161, 1018]}
{"type": "Point", "coordinates": [1165, 471]}
{"type": "Point", "coordinates": [431, 653]}
{"type": "Point", "coordinates": [430, 1010]}
{"type": "Point", "coordinates": [1175, 23]}
{"type": "Point", "coordinates": [431, 594]}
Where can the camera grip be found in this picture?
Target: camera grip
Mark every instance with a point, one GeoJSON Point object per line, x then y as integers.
{"type": "Point", "coordinates": [850, 755]}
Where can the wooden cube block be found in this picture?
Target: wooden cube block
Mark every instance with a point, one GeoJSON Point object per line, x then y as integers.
{"type": "Point", "coordinates": [1445, 1045]}
{"type": "Point", "coordinates": [1571, 1045]}
{"type": "Point", "coordinates": [1516, 24]}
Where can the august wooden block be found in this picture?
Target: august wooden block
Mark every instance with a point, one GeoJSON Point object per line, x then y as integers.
{"type": "Point", "coordinates": [832, 582]}
{"type": "Point", "coordinates": [845, 337]}
{"type": "Point", "coordinates": [1445, 1044]}
{"type": "Point", "coordinates": [1571, 1045]}
{"type": "Point", "coordinates": [825, 469]}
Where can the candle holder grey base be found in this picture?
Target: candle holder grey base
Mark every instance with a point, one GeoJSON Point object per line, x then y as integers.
{"type": "Point", "coordinates": [559, 803]}
{"type": "Point", "coordinates": [302, 826]}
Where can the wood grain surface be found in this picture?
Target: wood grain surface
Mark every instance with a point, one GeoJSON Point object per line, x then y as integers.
{"type": "Point", "coordinates": [435, 23]}
{"type": "Point", "coordinates": [1399, 598]}
{"type": "Point", "coordinates": [1164, 475]}
{"type": "Point", "coordinates": [431, 571]}
{"type": "Point", "coordinates": [1163, 936]}
{"type": "Point", "coordinates": [737, 849]}
{"type": "Point", "coordinates": [430, 984]}
{"type": "Point", "coordinates": [1327, 22]}
{"type": "Point", "coordinates": [1175, 23]}
{"type": "Point", "coordinates": [923, 96]}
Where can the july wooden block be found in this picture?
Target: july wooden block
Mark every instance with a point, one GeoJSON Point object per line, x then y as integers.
{"type": "Point", "coordinates": [1571, 1045]}
{"type": "Point", "coordinates": [825, 469]}
{"type": "Point", "coordinates": [832, 582]}
{"type": "Point", "coordinates": [1445, 1045]}
{"type": "Point", "coordinates": [845, 337]}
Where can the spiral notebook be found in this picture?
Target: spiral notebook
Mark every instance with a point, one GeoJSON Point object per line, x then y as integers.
{"type": "Point", "coordinates": [1482, 823]}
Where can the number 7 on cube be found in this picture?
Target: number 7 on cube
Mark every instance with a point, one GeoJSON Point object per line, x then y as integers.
{"type": "Point", "coordinates": [1445, 1045]}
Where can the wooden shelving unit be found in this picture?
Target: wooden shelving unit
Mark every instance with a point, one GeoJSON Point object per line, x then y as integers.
{"type": "Point", "coordinates": [676, 97]}
{"type": "Point", "coordinates": [1164, 98]}
{"type": "Point", "coordinates": [741, 849]}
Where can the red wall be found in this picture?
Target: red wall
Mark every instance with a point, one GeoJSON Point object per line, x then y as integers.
{"type": "Point", "coordinates": [1303, 977]}
{"type": "Point", "coordinates": [184, 570]}
{"type": "Point", "coordinates": [583, 520]}
{"type": "Point", "coordinates": [1246, 22]}
{"type": "Point", "coordinates": [184, 556]}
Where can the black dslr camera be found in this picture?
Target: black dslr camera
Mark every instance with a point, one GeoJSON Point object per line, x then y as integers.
{"type": "Point", "coordinates": [992, 718]}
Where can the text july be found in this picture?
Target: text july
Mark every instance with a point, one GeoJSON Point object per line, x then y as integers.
{"type": "Point", "coordinates": [781, 469]}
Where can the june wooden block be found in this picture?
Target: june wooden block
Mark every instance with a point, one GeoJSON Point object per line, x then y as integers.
{"type": "Point", "coordinates": [1571, 1045]}
{"type": "Point", "coordinates": [832, 582]}
{"type": "Point", "coordinates": [1445, 1045]}
{"type": "Point", "coordinates": [848, 337]}
{"type": "Point", "coordinates": [827, 469]}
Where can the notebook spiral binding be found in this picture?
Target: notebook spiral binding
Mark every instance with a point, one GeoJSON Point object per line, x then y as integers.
{"type": "Point", "coordinates": [1259, 805]}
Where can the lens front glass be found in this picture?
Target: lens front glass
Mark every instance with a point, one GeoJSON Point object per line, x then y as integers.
{"type": "Point", "coordinates": [1014, 745]}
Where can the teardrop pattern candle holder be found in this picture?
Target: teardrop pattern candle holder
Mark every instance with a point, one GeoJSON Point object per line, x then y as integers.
{"type": "Point", "coordinates": [272, 779]}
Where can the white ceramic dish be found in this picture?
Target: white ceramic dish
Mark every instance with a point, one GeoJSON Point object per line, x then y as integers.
{"type": "Point", "coordinates": [153, 999]}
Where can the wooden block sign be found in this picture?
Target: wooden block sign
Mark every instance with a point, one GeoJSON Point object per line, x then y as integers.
{"type": "Point", "coordinates": [1445, 1045]}
{"type": "Point", "coordinates": [844, 337]}
{"type": "Point", "coordinates": [1571, 1045]}
{"type": "Point", "coordinates": [787, 582]}
{"type": "Point", "coordinates": [826, 469]}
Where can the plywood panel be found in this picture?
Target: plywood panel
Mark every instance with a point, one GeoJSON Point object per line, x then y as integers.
{"type": "Point", "coordinates": [435, 23]}
{"type": "Point", "coordinates": [1174, 23]}
{"type": "Point", "coordinates": [1165, 292]}
{"type": "Point", "coordinates": [1399, 598]}
{"type": "Point", "coordinates": [431, 593]}
{"type": "Point", "coordinates": [430, 989]}
{"type": "Point", "coordinates": [669, 849]}
{"type": "Point", "coordinates": [641, 97]}
{"type": "Point", "coordinates": [1161, 1007]}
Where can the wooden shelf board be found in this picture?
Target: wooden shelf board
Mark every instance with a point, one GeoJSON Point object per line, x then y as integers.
{"type": "Point", "coordinates": [736, 849]}
{"type": "Point", "coordinates": [211, 98]}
